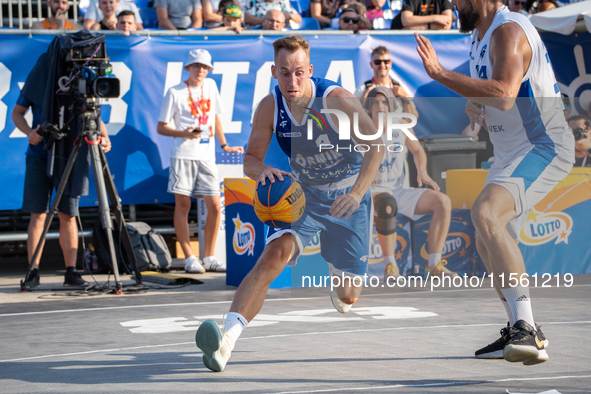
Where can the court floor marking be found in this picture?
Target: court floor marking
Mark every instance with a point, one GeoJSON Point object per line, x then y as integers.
{"type": "Point", "coordinates": [440, 384]}
{"type": "Point", "coordinates": [230, 301]}
{"type": "Point", "coordinates": [281, 336]}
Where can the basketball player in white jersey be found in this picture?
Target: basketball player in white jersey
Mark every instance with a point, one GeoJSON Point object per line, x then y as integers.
{"type": "Point", "coordinates": [513, 88]}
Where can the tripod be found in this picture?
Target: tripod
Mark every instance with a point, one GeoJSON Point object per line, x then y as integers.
{"type": "Point", "coordinates": [104, 186]}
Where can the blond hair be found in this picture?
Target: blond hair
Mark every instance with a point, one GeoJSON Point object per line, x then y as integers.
{"type": "Point", "coordinates": [292, 43]}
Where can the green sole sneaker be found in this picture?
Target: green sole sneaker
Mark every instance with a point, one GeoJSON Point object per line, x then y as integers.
{"type": "Point", "coordinates": [209, 339]}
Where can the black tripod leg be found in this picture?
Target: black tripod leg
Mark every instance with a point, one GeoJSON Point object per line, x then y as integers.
{"type": "Point", "coordinates": [52, 211]}
{"type": "Point", "coordinates": [119, 218]}
{"type": "Point", "coordinates": [104, 213]}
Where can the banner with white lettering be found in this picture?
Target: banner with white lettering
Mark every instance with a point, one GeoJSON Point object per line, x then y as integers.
{"type": "Point", "coordinates": [148, 66]}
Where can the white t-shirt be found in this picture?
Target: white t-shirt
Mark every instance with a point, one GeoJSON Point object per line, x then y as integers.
{"type": "Point", "coordinates": [93, 12]}
{"type": "Point", "coordinates": [175, 108]}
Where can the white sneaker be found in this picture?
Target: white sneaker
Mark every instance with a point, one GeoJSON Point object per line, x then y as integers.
{"type": "Point", "coordinates": [213, 265]}
{"type": "Point", "coordinates": [194, 266]}
{"type": "Point", "coordinates": [215, 346]}
{"type": "Point", "coordinates": [339, 305]}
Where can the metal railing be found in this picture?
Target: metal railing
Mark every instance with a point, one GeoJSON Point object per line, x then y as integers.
{"type": "Point", "coordinates": [40, 5]}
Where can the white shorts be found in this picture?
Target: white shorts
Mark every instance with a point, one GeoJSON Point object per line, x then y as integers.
{"type": "Point", "coordinates": [406, 199]}
{"type": "Point", "coordinates": [193, 178]}
{"type": "Point", "coordinates": [529, 178]}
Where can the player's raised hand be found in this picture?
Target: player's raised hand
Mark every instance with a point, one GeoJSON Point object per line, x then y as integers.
{"type": "Point", "coordinates": [271, 173]}
{"type": "Point", "coordinates": [344, 203]}
{"type": "Point", "coordinates": [475, 112]}
{"type": "Point", "coordinates": [428, 55]}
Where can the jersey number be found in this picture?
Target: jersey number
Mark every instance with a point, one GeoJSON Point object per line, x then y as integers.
{"type": "Point", "coordinates": [322, 139]}
{"type": "Point", "coordinates": [481, 72]}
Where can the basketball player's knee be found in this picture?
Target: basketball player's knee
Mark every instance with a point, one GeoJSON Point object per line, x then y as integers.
{"type": "Point", "coordinates": [481, 217]}
{"type": "Point", "coordinates": [444, 203]}
{"type": "Point", "coordinates": [274, 257]}
{"type": "Point", "coordinates": [386, 209]}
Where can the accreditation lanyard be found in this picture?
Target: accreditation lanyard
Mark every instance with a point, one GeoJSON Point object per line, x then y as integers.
{"type": "Point", "coordinates": [199, 110]}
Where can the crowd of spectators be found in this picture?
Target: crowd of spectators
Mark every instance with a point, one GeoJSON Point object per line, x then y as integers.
{"type": "Point", "coordinates": [270, 14]}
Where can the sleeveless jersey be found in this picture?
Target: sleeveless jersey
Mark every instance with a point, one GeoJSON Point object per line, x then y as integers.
{"type": "Point", "coordinates": [390, 175]}
{"type": "Point", "coordinates": [536, 121]}
{"type": "Point", "coordinates": [50, 26]}
{"type": "Point", "coordinates": [309, 165]}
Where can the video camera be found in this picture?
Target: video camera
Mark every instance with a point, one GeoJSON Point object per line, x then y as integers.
{"type": "Point", "coordinates": [89, 69]}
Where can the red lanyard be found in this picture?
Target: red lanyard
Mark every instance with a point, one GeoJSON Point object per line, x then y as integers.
{"type": "Point", "coordinates": [199, 109]}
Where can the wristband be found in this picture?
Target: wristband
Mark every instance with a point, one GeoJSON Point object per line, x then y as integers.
{"type": "Point", "coordinates": [224, 145]}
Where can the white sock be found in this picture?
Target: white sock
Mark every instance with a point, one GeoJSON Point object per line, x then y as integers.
{"type": "Point", "coordinates": [520, 304]}
{"type": "Point", "coordinates": [509, 313]}
{"type": "Point", "coordinates": [389, 260]}
{"type": "Point", "coordinates": [434, 259]}
{"type": "Point", "coordinates": [207, 260]}
{"type": "Point", "coordinates": [189, 259]}
{"type": "Point", "coordinates": [234, 325]}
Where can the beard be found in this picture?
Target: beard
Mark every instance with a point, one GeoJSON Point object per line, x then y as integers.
{"type": "Point", "coordinates": [468, 18]}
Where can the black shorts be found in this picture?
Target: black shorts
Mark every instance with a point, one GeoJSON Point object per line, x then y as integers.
{"type": "Point", "coordinates": [39, 187]}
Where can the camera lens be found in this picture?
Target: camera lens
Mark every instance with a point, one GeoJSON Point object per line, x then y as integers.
{"type": "Point", "coordinates": [107, 87]}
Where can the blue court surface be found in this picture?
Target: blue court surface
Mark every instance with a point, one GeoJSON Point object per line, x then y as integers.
{"type": "Point", "coordinates": [392, 341]}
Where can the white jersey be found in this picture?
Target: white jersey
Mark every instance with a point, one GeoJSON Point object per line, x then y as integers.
{"type": "Point", "coordinates": [390, 175]}
{"type": "Point", "coordinates": [536, 120]}
{"type": "Point", "coordinates": [176, 108]}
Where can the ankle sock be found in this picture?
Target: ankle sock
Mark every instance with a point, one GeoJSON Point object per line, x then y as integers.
{"type": "Point", "coordinates": [520, 304]}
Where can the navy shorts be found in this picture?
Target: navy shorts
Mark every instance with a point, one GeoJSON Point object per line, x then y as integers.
{"type": "Point", "coordinates": [344, 243]}
{"type": "Point", "coordinates": [39, 187]}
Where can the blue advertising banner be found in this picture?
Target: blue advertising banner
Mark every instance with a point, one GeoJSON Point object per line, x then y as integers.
{"type": "Point", "coordinates": [459, 247]}
{"type": "Point", "coordinates": [148, 66]}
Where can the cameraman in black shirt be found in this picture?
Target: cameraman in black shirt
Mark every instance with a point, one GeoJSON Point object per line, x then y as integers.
{"type": "Point", "coordinates": [581, 127]}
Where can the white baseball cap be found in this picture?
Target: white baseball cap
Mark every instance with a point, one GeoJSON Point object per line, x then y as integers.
{"type": "Point", "coordinates": [200, 56]}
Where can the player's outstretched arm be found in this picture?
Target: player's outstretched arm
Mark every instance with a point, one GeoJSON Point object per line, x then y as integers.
{"type": "Point", "coordinates": [510, 55]}
{"type": "Point", "coordinates": [258, 143]}
{"type": "Point", "coordinates": [347, 102]}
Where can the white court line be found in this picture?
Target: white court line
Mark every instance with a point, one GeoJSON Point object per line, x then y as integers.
{"type": "Point", "coordinates": [459, 383]}
{"type": "Point", "coordinates": [228, 302]}
{"type": "Point", "coordinates": [286, 335]}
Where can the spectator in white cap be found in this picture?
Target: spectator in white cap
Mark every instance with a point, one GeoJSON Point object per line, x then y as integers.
{"type": "Point", "coordinates": [189, 114]}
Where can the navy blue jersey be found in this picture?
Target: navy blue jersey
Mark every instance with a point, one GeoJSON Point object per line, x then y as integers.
{"type": "Point", "coordinates": [309, 164]}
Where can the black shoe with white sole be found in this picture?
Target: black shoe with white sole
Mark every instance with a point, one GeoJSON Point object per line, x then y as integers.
{"type": "Point", "coordinates": [525, 345]}
{"type": "Point", "coordinates": [495, 349]}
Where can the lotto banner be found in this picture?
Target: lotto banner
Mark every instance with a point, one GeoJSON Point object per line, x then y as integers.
{"type": "Point", "coordinates": [555, 237]}
{"type": "Point", "coordinates": [459, 247]}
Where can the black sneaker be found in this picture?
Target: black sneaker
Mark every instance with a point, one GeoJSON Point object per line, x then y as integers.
{"type": "Point", "coordinates": [525, 345]}
{"type": "Point", "coordinates": [74, 279]}
{"type": "Point", "coordinates": [495, 349]}
{"type": "Point", "coordinates": [33, 280]}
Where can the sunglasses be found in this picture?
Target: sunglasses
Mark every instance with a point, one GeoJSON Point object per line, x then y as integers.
{"type": "Point", "coordinates": [380, 61]}
{"type": "Point", "coordinates": [519, 2]}
{"type": "Point", "coordinates": [347, 20]}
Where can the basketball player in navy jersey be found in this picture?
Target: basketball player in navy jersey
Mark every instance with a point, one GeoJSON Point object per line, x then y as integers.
{"type": "Point", "coordinates": [336, 184]}
{"type": "Point", "coordinates": [513, 88]}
